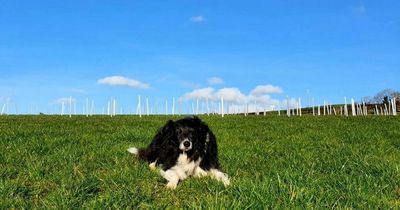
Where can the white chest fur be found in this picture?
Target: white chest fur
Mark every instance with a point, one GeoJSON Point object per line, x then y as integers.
{"type": "Point", "coordinates": [187, 165]}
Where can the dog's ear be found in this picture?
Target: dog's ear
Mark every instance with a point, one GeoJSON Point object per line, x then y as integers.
{"type": "Point", "coordinates": [169, 126]}
{"type": "Point", "coordinates": [196, 119]}
{"type": "Point", "coordinates": [165, 133]}
{"type": "Point", "coordinates": [168, 132]}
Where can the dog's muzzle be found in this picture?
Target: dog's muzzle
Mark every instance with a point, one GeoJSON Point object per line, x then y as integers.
{"type": "Point", "coordinates": [185, 145]}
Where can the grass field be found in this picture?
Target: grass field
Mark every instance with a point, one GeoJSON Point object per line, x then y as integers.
{"type": "Point", "coordinates": [274, 162]}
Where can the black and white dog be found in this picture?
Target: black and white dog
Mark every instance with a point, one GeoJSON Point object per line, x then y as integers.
{"type": "Point", "coordinates": [183, 148]}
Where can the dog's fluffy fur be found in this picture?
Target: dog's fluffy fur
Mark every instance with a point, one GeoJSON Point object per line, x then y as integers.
{"type": "Point", "coordinates": [183, 148]}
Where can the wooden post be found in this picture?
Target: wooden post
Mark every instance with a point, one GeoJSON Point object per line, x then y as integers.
{"type": "Point", "coordinates": [365, 109]}
{"type": "Point", "coordinates": [173, 106]}
{"type": "Point", "coordinates": [255, 108]}
{"type": "Point", "coordinates": [62, 107]}
{"type": "Point", "coordinates": [222, 106]}
{"type": "Point", "coordinates": [70, 106]}
{"type": "Point", "coordinates": [300, 106]}
{"type": "Point", "coordinates": [166, 106]}
{"type": "Point", "coordinates": [279, 108]}
{"type": "Point", "coordinates": [197, 106]}
{"type": "Point", "coordinates": [92, 108]}
{"type": "Point", "coordinates": [287, 106]}
{"type": "Point", "coordinates": [75, 107]}
{"type": "Point", "coordinates": [8, 105]}
{"type": "Point", "coordinates": [87, 107]}
{"type": "Point", "coordinates": [353, 108]}
{"type": "Point", "coordinates": [386, 110]}
{"type": "Point", "coordinates": [139, 107]}
{"type": "Point", "coordinates": [108, 107]}
{"type": "Point", "coordinates": [114, 107]}
{"type": "Point", "coordinates": [319, 110]}
{"type": "Point", "coordinates": [208, 108]}
{"type": "Point", "coordinates": [313, 107]}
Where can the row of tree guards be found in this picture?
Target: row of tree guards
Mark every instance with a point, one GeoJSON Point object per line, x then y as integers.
{"type": "Point", "coordinates": [222, 108]}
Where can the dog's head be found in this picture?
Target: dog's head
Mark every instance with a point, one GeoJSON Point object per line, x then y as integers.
{"type": "Point", "coordinates": [187, 133]}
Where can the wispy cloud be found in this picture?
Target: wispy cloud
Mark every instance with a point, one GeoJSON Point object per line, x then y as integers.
{"type": "Point", "coordinates": [123, 81]}
{"type": "Point", "coordinates": [215, 80]}
{"type": "Point", "coordinates": [393, 22]}
{"type": "Point", "coordinates": [76, 90]}
{"type": "Point", "coordinates": [4, 99]}
{"type": "Point", "coordinates": [189, 84]}
{"type": "Point", "coordinates": [265, 89]}
{"type": "Point", "coordinates": [197, 19]}
{"type": "Point", "coordinates": [65, 100]}
{"type": "Point", "coordinates": [359, 10]}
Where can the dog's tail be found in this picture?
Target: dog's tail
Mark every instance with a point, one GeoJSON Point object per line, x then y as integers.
{"type": "Point", "coordinates": [141, 153]}
{"type": "Point", "coordinates": [133, 151]}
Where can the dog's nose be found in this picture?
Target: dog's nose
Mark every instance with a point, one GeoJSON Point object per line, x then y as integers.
{"type": "Point", "coordinates": [186, 143]}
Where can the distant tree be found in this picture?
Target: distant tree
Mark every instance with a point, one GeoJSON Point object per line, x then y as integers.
{"type": "Point", "coordinates": [366, 99]}
{"type": "Point", "coordinates": [385, 100]}
{"type": "Point", "coordinates": [384, 96]}
{"type": "Point", "coordinates": [397, 95]}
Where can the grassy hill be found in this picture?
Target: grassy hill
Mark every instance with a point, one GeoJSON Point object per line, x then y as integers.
{"type": "Point", "coordinates": [277, 162]}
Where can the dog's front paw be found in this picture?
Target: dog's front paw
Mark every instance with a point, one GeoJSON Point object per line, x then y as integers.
{"type": "Point", "coordinates": [171, 185]}
{"type": "Point", "coordinates": [152, 166]}
{"type": "Point", "coordinates": [226, 181]}
{"type": "Point", "coordinates": [218, 175]}
{"type": "Point", "coordinates": [199, 172]}
{"type": "Point", "coordinates": [133, 150]}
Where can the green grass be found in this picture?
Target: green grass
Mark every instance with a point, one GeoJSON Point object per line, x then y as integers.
{"type": "Point", "coordinates": [274, 162]}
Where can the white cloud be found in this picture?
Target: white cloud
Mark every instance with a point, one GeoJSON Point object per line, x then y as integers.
{"type": "Point", "coordinates": [202, 93]}
{"type": "Point", "coordinates": [265, 89]}
{"type": "Point", "coordinates": [230, 94]}
{"type": "Point", "coordinates": [257, 100]}
{"type": "Point", "coordinates": [197, 19]}
{"type": "Point", "coordinates": [234, 95]}
{"type": "Point", "coordinates": [215, 80]}
{"type": "Point", "coordinates": [123, 81]}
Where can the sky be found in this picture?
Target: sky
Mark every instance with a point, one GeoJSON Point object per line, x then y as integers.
{"type": "Point", "coordinates": [258, 52]}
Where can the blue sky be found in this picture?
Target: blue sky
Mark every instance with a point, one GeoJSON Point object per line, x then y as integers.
{"type": "Point", "coordinates": [50, 50]}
